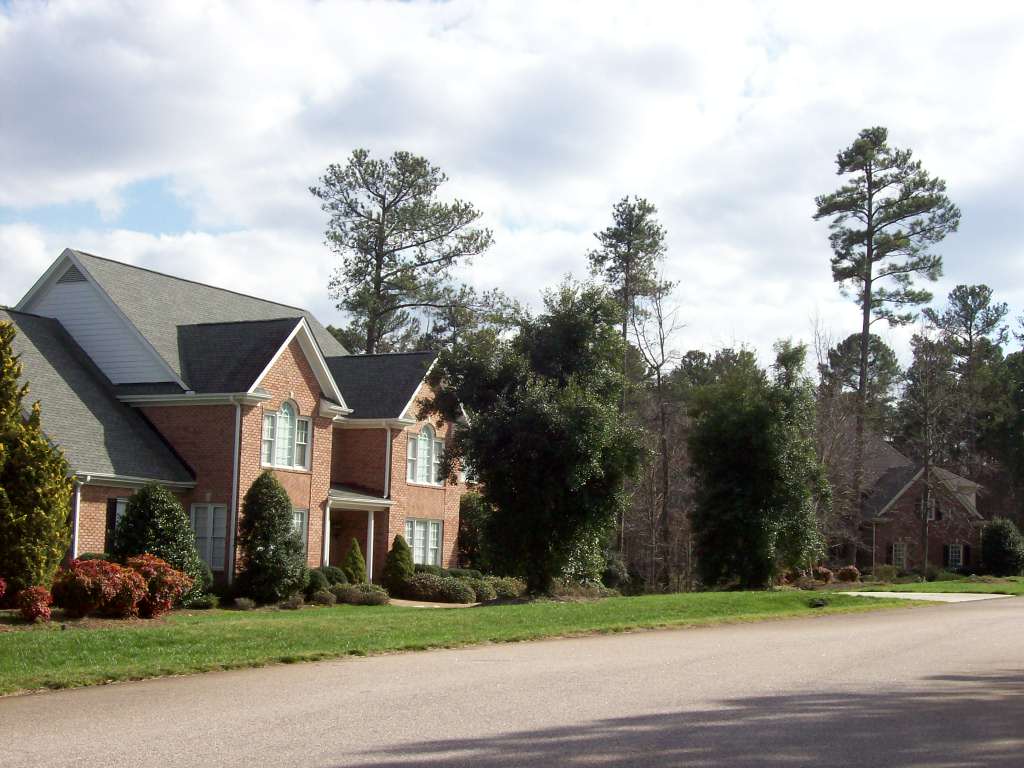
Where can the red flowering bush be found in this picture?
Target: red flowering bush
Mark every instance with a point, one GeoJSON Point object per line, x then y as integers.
{"type": "Point", "coordinates": [3, 589]}
{"type": "Point", "coordinates": [821, 573]}
{"type": "Point", "coordinates": [34, 604]}
{"type": "Point", "coordinates": [165, 585]}
{"type": "Point", "coordinates": [848, 573]}
{"type": "Point", "coordinates": [98, 586]}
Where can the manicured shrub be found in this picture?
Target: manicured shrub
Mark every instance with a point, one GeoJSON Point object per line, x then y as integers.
{"type": "Point", "coordinates": [292, 602]}
{"type": "Point", "coordinates": [96, 556]}
{"type": "Point", "coordinates": [155, 523]}
{"type": "Point", "coordinates": [822, 574]}
{"type": "Point", "coordinates": [84, 586]}
{"type": "Point", "coordinates": [581, 589]}
{"type": "Point", "coordinates": [165, 585]}
{"type": "Point", "coordinates": [437, 589]}
{"type": "Point", "coordinates": [317, 582]}
{"type": "Point", "coordinates": [273, 560]}
{"type": "Point", "coordinates": [334, 575]}
{"type": "Point", "coordinates": [434, 570]}
{"type": "Point", "coordinates": [35, 483]}
{"type": "Point", "coordinates": [205, 602]}
{"type": "Point", "coordinates": [886, 573]}
{"type": "Point", "coordinates": [245, 603]}
{"type": "Point", "coordinates": [848, 573]}
{"type": "Point", "coordinates": [128, 590]}
{"type": "Point", "coordinates": [1002, 548]}
{"type": "Point", "coordinates": [398, 565]}
{"type": "Point", "coordinates": [360, 594]}
{"type": "Point", "coordinates": [354, 565]}
{"type": "Point", "coordinates": [464, 573]}
{"type": "Point", "coordinates": [507, 587]}
{"type": "Point", "coordinates": [324, 597]}
{"type": "Point", "coordinates": [482, 588]}
{"type": "Point", "coordinates": [34, 604]}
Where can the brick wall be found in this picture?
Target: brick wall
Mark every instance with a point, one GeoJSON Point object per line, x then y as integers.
{"type": "Point", "coordinates": [359, 458]}
{"type": "Point", "coordinates": [957, 526]}
{"type": "Point", "coordinates": [92, 514]}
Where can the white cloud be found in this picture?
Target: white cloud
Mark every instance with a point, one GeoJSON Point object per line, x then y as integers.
{"type": "Point", "coordinates": [727, 116]}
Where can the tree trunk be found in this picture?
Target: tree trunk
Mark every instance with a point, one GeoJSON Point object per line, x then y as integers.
{"type": "Point", "coordinates": [865, 338]}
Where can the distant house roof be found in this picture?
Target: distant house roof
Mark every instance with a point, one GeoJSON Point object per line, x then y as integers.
{"type": "Point", "coordinates": [160, 305]}
{"type": "Point", "coordinates": [81, 414]}
{"type": "Point", "coordinates": [380, 386]}
{"type": "Point", "coordinates": [888, 473]}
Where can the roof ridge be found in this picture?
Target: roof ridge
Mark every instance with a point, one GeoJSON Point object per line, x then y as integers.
{"type": "Point", "coordinates": [189, 280]}
{"type": "Point", "coordinates": [249, 322]}
{"type": "Point", "coordinates": [360, 356]}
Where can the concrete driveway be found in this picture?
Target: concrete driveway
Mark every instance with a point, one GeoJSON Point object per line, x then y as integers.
{"type": "Point", "coordinates": [934, 686]}
{"type": "Point", "coordinates": [934, 597]}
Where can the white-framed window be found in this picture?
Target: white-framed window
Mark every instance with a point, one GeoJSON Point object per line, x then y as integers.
{"type": "Point", "coordinates": [286, 437]}
{"type": "Point", "coordinates": [424, 539]}
{"type": "Point", "coordinates": [899, 554]}
{"type": "Point", "coordinates": [423, 457]}
{"type": "Point", "coordinates": [300, 519]}
{"type": "Point", "coordinates": [956, 556]}
{"type": "Point", "coordinates": [209, 523]}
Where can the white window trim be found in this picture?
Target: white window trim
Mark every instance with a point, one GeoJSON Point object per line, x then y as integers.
{"type": "Point", "coordinates": [303, 527]}
{"type": "Point", "coordinates": [960, 555]}
{"type": "Point", "coordinates": [430, 525]}
{"type": "Point", "coordinates": [432, 460]}
{"type": "Point", "coordinates": [210, 507]}
{"type": "Point", "coordinates": [899, 562]}
{"type": "Point", "coordinates": [295, 434]}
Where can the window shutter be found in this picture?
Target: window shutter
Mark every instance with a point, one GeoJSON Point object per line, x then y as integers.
{"type": "Point", "coordinates": [967, 555]}
{"type": "Point", "coordinates": [888, 554]}
{"type": "Point", "coordinates": [938, 511]}
{"type": "Point", "coordinates": [945, 555]}
{"type": "Point", "coordinates": [108, 536]}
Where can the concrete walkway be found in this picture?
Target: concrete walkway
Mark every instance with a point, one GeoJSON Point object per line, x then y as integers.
{"type": "Point", "coordinates": [933, 597]}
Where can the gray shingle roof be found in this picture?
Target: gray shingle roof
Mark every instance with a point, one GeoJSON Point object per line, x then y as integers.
{"type": "Point", "coordinates": [80, 411]}
{"type": "Point", "coordinates": [379, 386]}
{"type": "Point", "coordinates": [158, 304]}
{"type": "Point", "coordinates": [227, 357]}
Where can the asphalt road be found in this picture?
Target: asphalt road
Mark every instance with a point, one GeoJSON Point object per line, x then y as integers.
{"type": "Point", "coordinates": [934, 686]}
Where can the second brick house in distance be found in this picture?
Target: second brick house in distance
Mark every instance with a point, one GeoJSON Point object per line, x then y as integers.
{"type": "Point", "coordinates": [144, 376]}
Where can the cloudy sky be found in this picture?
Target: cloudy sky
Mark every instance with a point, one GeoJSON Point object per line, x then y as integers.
{"type": "Point", "coordinates": [184, 137]}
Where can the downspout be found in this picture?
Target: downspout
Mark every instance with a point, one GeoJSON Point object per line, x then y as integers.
{"type": "Point", "coordinates": [76, 504]}
{"type": "Point", "coordinates": [234, 491]}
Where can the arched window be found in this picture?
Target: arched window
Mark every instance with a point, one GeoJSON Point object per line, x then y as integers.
{"type": "Point", "coordinates": [423, 457]}
{"type": "Point", "coordinates": [285, 438]}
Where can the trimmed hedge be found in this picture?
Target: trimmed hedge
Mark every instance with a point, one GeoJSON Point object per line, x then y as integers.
{"type": "Point", "coordinates": [334, 575]}
{"type": "Point", "coordinates": [324, 597]}
{"type": "Point", "coordinates": [165, 585]}
{"type": "Point", "coordinates": [148, 587]}
{"type": "Point", "coordinates": [507, 587]}
{"type": "Point", "coordinates": [398, 566]}
{"type": "Point", "coordinates": [317, 582]}
{"type": "Point", "coordinates": [483, 589]}
{"type": "Point", "coordinates": [360, 594]}
{"type": "Point", "coordinates": [437, 589]}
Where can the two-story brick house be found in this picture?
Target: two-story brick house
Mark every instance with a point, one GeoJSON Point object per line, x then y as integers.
{"type": "Point", "coordinates": [147, 377]}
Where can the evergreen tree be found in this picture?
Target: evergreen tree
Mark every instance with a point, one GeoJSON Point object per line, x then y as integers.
{"type": "Point", "coordinates": [538, 401]}
{"type": "Point", "coordinates": [884, 221]}
{"type": "Point", "coordinates": [1002, 548]}
{"type": "Point", "coordinates": [156, 523]}
{"type": "Point", "coordinates": [398, 243]}
{"type": "Point", "coordinates": [398, 565]}
{"type": "Point", "coordinates": [354, 565]}
{"type": "Point", "coordinates": [842, 375]}
{"type": "Point", "coordinates": [273, 562]}
{"type": "Point", "coordinates": [35, 487]}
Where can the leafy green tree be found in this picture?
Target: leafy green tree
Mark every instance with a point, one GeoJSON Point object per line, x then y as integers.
{"type": "Point", "coordinates": [842, 374]}
{"type": "Point", "coordinates": [398, 243]}
{"type": "Point", "coordinates": [273, 562]}
{"type": "Point", "coordinates": [398, 565]}
{"type": "Point", "coordinates": [474, 516]}
{"type": "Point", "coordinates": [884, 221]}
{"type": "Point", "coordinates": [1002, 548]}
{"type": "Point", "coordinates": [156, 523]}
{"type": "Point", "coordinates": [759, 481]}
{"type": "Point", "coordinates": [35, 487]}
{"type": "Point", "coordinates": [354, 565]}
{"type": "Point", "coordinates": [973, 326]}
{"type": "Point", "coordinates": [1005, 437]}
{"type": "Point", "coordinates": [549, 449]}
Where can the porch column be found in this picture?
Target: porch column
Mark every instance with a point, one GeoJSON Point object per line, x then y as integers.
{"type": "Point", "coordinates": [369, 545]}
{"type": "Point", "coordinates": [326, 548]}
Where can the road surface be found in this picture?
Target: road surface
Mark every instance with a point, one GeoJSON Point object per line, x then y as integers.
{"type": "Point", "coordinates": [933, 686]}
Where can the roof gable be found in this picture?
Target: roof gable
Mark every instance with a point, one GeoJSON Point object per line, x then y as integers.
{"type": "Point", "coordinates": [81, 414]}
{"type": "Point", "coordinates": [380, 386]}
{"type": "Point", "coordinates": [230, 357]}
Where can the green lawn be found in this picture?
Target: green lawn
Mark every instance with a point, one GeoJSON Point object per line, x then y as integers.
{"type": "Point", "coordinates": [1012, 585]}
{"type": "Point", "coordinates": [184, 642]}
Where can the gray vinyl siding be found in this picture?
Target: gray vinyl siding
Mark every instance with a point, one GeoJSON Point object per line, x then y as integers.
{"type": "Point", "coordinates": [100, 331]}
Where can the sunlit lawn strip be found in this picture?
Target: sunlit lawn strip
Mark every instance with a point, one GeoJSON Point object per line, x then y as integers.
{"type": "Point", "coordinates": [189, 642]}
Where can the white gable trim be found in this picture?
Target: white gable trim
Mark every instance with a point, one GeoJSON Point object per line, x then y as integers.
{"type": "Point", "coordinates": [903, 490]}
{"type": "Point", "coordinates": [56, 269]}
{"type": "Point", "coordinates": [314, 357]}
{"type": "Point", "coordinates": [408, 405]}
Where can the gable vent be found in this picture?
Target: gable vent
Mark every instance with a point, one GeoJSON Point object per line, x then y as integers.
{"type": "Point", "coordinates": [72, 275]}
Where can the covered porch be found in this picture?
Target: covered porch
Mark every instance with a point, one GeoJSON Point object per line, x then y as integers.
{"type": "Point", "coordinates": [354, 514]}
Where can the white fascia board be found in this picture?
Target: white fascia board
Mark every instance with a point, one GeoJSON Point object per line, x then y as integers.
{"type": "Point", "coordinates": [313, 356]}
{"type": "Point", "coordinates": [353, 504]}
{"type": "Point", "coordinates": [350, 423]}
{"type": "Point", "coordinates": [127, 481]}
{"type": "Point", "coordinates": [192, 398]}
{"type": "Point", "coordinates": [333, 410]}
{"type": "Point", "coordinates": [412, 399]}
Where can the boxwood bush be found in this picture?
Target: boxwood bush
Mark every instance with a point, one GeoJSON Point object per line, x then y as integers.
{"type": "Point", "coordinates": [360, 594]}
{"type": "Point", "coordinates": [507, 587]}
{"type": "Point", "coordinates": [437, 589]}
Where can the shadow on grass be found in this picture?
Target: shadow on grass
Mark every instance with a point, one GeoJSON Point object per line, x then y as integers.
{"type": "Point", "coordinates": [951, 721]}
